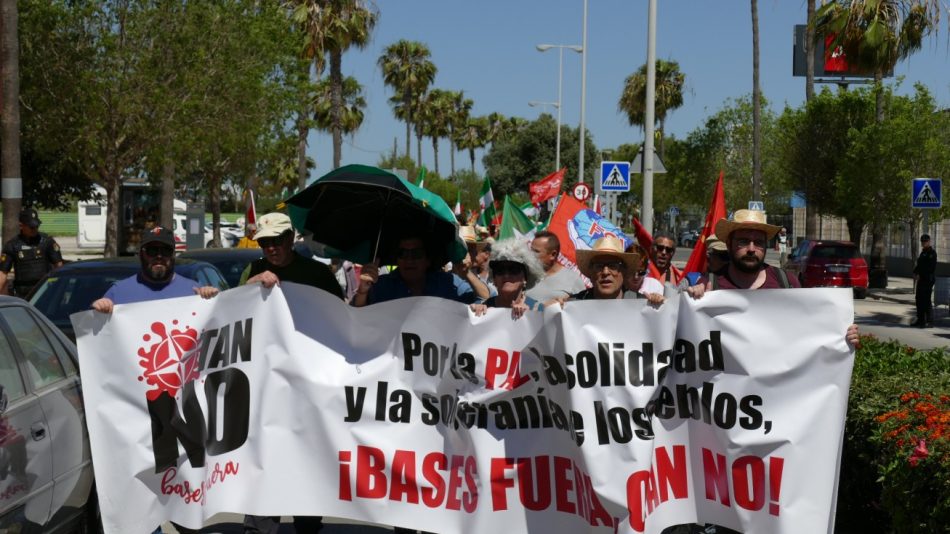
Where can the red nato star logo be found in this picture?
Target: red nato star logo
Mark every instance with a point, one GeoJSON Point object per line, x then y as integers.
{"type": "Point", "coordinates": [169, 359]}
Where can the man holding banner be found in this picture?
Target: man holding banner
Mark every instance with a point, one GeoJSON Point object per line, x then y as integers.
{"type": "Point", "coordinates": [558, 281]}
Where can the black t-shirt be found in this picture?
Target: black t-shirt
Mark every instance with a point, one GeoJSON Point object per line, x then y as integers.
{"type": "Point", "coordinates": [300, 270]}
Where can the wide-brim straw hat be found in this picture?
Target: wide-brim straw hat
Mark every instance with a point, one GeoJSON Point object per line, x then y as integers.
{"type": "Point", "coordinates": [745, 220]}
{"type": "Point", "coordinates": [607, 246]}
{"type": "Point", "coordinates": [714, 244]}
{"type": "Point", "coordinates": [470, 236]}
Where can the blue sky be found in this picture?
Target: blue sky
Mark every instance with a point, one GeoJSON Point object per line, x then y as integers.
{"type": "Point", "coordinates": [487, 49]}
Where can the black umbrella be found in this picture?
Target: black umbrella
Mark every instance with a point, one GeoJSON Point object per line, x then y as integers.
{"type": "Point", "coordinates": [362, 211]}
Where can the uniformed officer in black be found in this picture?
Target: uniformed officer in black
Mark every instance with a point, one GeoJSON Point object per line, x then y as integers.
{"type": "Point", "coordinates": [31, 254]}
{"type": "Point", "coordinates": [924, 275]}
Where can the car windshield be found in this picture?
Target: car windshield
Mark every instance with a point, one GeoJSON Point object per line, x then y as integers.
{"type": "Point", "coordinates": [60, 296]}
{"type": "Point", "coordinates": [231, 268]}
{"type": "Point", "coordinates": [835, 251]}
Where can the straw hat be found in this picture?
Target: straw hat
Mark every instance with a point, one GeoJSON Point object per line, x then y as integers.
{"type": "Point", "coordinates": [715, 245]}
{"type": "Point", "coordinates": [745, 220]}
{"type": "Point", "coordinates": [607, 246]}
{"type": "Point", "coordinates": [470, 236]}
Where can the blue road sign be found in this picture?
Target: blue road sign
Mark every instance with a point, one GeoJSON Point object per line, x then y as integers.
{"type": "Point", "coordinates": [756, 205]}
{"type": "Point", "coordinates": [674, 211]}
{"type": "Point", "coordinates": [925, 193]}
{"type": "Point", "coordinates": [615, 176]}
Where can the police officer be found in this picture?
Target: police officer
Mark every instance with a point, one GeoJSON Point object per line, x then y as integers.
{"type": "Point", "coordinates": [31, 254]}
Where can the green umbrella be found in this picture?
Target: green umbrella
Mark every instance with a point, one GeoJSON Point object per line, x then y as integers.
{"type": "Point", "coordinates": [362, 211]}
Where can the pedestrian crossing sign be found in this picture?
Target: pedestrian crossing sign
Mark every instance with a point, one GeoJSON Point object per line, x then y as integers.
{"type": "Point", "coordinates": [615, 176]}
{"type": "Point", "coordinates": [926, 193]}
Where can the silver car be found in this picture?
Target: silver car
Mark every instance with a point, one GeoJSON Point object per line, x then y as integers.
{"type": "Point", "coordinates": [46, 478]}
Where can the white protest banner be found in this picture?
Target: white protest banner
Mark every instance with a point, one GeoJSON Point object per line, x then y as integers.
{"type": "Point", "coordinates": [603, 417]}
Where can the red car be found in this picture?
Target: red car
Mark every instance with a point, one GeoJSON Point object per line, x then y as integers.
{"type": "Point", "coordinates": [829, 263]}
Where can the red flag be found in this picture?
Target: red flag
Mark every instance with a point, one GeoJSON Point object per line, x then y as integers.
{"type": "Point", "coordinates": [250, 217]}
{"type": "Point", "coordinates": [597, 207]}
{"type": "Point", "coordinates": [547, 188]}
{"type": "Point", "coordinates": [644, 239]}
{"type": "Point", "coordinates": [717, 210]}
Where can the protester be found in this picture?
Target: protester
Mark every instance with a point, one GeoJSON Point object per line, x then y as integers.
{"type": "Point", "coordinates": [559, 281]}
{"type": "Point", "coordinates": [924, 271]}
{"type": "Point", "coordinates": [717, 254]}
{"type": "Point", "coordinates": [31, 254]}
{"type": "Point", "coordinates": [514, 268]}
{"type": "Point", "coordinates": [248, 240]}
{"type": "Point", "coordinates": [416, 275]}
{"type": "Point", "coordinates": [156, 281]}
{"type": "Point", "coordinates": [607, 265]}
{"type": "Point", "coordinates": [638, 281]}
{"type": "Point", "coordinates": [281, 262]}
{"type": "Point", "coordinates": [664, 246]}
{"type": "Point", "coordinates": [781, 245]}
{"type": "Point", "coordinates": [746, 237]}
{"type": "Point", "coordinates": [480, 252]}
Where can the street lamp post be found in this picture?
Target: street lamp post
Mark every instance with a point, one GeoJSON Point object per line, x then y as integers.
{"type": "Point", "coordinates": [560, 74]}
{"type": "Point", "coordinates": [544, 105]}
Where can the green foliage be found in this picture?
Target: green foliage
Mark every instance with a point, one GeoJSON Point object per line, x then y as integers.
{"type": "Point", "coordinates": [527, 154]}
{"type": "Point", "coordinates": [871, 494]}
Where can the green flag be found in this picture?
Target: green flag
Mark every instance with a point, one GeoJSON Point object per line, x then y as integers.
{"type": "Point", "coordinates": [421, 178]}
{"type": "Point", "coordinates": [514, 223]}
{"type": "Point", "coordinates": [487, 202]}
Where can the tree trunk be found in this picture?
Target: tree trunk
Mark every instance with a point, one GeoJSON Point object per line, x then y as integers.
{"type": "Point", "coordinates": [877, 270]}
{"type": "Point", "coordinates": [471, 155]}
{"type": "Point", "coordinates": [855, 229]}
{"type": "Point", "coordinates": [418, 148]}
{"type": "Point", "coordinates": [452, 153]}
{"type": "Point", "coordinates": [406, 99]}
{"type": "Point", "coordinates": [167, 201]}
{"type": "Point", "coordinates": [215, 210]}
{"type": "Point", "coordinates": [10, 149]}
{"type": "Point", "coordinates": [113, 185]}
{"type": "Point", "coordinates": [435, 152]}
{"type": "Point", "coordinates": [809, 53]}
{"type": "Point", "coordinates": [336, 105]}
{"type": "Point", "coordinates": [756, 108]}
{"type": "Point", "coordinates": [302, 132]}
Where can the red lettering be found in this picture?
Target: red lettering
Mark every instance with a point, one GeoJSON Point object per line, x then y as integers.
{"type": "Point", "coordinates": [515, 378]}
{"type": "Point", "coordinates": [403, 478]}
{"type": "Point", "coordinates": [496, 363]}
{"type": "Point", "coordinates": [370, 478]}
{"type": "Point", "coordinates": [455, 482]}
{"type": "Point", "coordinates": [470, 498]}
{"type": "Point", "coordinates": [563, 485]}
{"type": "Point", "coordinates": [749, 494]}
{"type": "Point", "coordinates": [534, 484]}
{"type": "Point", "coordinates": [431, 465]}
{"type": "Point", "coordinates": [500, 483]}
{"type": "Point", "coordinates": [717, 478]}
{"type": "Point", "coordinates": [599, 514]}
{"type": "Point", "coordinates": [583, 498]}
{"type": "Point", "coordinates": [776, 464]}
{"type": "Point", "coordinates": [637, 484]}
{"type": "Point", "coordinates": [344, 469]}
{"type": "Point", "coordinates": [672, 474]}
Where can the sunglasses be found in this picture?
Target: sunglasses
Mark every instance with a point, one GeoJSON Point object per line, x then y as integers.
{"type": "Point", "coordinates": [640, 274]}
{"type": "Point", "coordinates": [504, 268]}
{"type": "Point", "coordinates": [661, 248]}
{"type": "Point", "coordinates": [612, 266]}
{"type": "Point", "coordinates": [411, 253]}
{"type": "Point", "coordinates": [267, 242]}
{"type": "Point", "coordinates": [154, 251]}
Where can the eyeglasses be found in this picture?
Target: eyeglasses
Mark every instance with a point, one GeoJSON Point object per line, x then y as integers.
{"type": "Point", "coordinates": [504, 268]}
{"type": "Point", "coordinates": [155, 251]}
{"type": "Point", "coordinates": [743, 242]}
{"type": "Point", "coordinates": [661, 248]}
{"type": "Point", "coordinates": [639, 274]}
{"type": "Point", "coordinates": [612, 266]}
{"type": "Point", "coordinates": [267, 242]}
{"type": "Point", "coordinates": [411, 253]}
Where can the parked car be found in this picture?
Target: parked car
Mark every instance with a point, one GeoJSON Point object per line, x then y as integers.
{"type": "Point", "coordinates": [829, 263]}
{"type": "Point", "coordinates": [231, 261]}
{"type": "Point", "coordinates": [688, 238]}
{"type": "Point", "coordinates": [231, 233]}
{"type": "Point", "coordinates": [46, 476]}
{"type": "Point", "coordinates": [76, 285]}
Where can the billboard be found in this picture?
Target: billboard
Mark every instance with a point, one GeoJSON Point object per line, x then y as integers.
{"type": "Point", "coordinates": [831, 63]}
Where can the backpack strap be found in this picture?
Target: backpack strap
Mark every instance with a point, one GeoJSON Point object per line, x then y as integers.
{"type": "Point", "coordinates": [713, 282]}
{"type": "Point", "coordinates": [782, 277]}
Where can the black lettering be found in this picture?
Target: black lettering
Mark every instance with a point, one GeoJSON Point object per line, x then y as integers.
{"type": "Point", "coordinates": [411, 347]}
{"type": "Point", "coordinates": [236, 403]}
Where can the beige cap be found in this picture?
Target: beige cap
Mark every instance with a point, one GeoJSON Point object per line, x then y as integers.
{"type": "Point", "coordinates": [272, 225]}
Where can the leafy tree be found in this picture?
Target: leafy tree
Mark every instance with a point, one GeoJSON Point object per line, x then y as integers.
{"type": "Point", "coordinates": [472, 135]}
{"type": "Point", "coordinates": [461, 107]}
{"type": "Point", "coordinates": [353, 105]}
{"type": "Point", "coordinates": [436, 119]}
{"type": "Point", "coordinates": [409, 71]}
{"type": "Point", "coordinates": [668, 95]}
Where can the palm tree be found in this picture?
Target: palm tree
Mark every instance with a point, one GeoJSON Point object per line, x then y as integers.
{"type": "Point", "coordinates": [756, 107]}
{"type": "Point", "coordinates": [436, 116]}
{"type": "Point", "coordinates": [11, 115]}
{"type": "Point", "coordinates": [353, 102]}
{"type": "Point", "coordinates": [407, 69]}
{"type": "Point", "coordinates": [351, 24]}
{"type": "Point", "coordinates": [461, 107]}
{"type": "Point", "coordinates": [874, 35]}
{"type": "Point", "coordinates": [669, 95]}
{"type": "Point", "coordinates": [473, 135]}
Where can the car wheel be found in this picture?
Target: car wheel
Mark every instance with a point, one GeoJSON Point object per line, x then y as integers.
{"type": "Point", "coordinates": [860, 292]}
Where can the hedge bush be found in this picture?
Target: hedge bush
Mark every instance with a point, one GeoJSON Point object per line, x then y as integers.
{"type": "Point", "coordinates": [889, 480]}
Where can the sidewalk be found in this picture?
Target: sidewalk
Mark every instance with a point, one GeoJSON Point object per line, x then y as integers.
{"type": "Point", "coordinates": [900, 290]}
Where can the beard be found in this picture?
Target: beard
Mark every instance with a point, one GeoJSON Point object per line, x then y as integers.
{"type": "Point", "coordinates": [160, 271]}
{"type": "Point", "coordinates": [750, 263]}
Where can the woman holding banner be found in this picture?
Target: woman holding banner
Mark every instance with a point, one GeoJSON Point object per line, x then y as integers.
{"type": "Point", "coordinates": [514, 268]}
